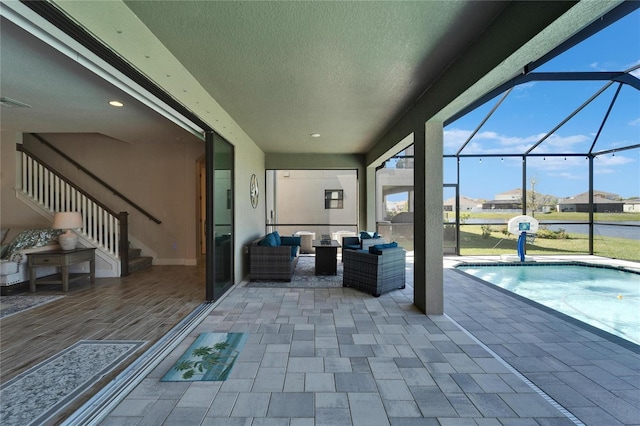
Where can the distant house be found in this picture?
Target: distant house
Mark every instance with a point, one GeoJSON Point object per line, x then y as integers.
{"type": "Point", "coordinates": [512, 200]}
{"type": "Point", "coordinates": [466, 204]}
{"type": "Point", "coordinates": [603, 202]}
{"type": "Point", "coordinates": [632, 205]}
{"type": "Point", "coordinates": [502, 205]}
{"type": "Point", "coordinates": [513, 194]}
{"type": "Point", "coordinates": [508, 200]}
{"type": "Point", "coordinates": [602, 194]}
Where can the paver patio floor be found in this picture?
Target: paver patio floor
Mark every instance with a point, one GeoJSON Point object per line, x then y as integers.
{"type": "Point", "coordinates": [341, 357]}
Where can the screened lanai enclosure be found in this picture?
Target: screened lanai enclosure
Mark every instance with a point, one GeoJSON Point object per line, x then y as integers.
{"type": "Point", "coordinates": [560, 142]}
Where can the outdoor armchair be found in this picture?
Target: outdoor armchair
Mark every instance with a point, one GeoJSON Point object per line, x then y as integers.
{"type": "Point", "coordinates": [376, 271]}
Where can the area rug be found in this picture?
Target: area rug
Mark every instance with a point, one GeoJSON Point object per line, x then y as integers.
{"type": "Point", "coordinates": [10, 305]}
{"type": "Point", "coordinates": [304, 276]}
{"type": "Point", "coordinates": [209, 358]}
{"type": "Point", "coordinates": [40, 392]}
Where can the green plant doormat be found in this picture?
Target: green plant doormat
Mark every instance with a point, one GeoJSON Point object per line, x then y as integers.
{"type": "Point", "coordinates": [209, 358]}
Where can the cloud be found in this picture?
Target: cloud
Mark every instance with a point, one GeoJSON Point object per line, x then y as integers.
{"type": "Point", "coordinates": [595, 66]}
{"type": "Point", "coordinates": [454, 138]}
{"type": "Point", "coordinates": [613, 160]}
{"type": "Point", "coordinates": [635, 122]}
{"type": "Point", "coordinates": [556, 165]}
{"type": "Point", "coordinates": [601, 171]}
{"type": "Point", "coordinates": [568, 176]}
{"type": "Point", "coordinates": [636, 72]}
{"type": "Point", "coordinates": [489, 142]}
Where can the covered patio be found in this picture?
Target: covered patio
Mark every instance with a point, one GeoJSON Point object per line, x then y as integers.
{"type": "Point", "coordinates": [328, 356]}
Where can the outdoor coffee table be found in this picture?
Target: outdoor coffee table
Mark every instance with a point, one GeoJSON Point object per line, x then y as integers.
{"type": "Point", "coordinates": [326, 256]}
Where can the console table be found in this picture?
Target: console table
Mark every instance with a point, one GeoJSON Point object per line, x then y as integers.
{"type": "Point", "coordinates": [326, 257]}
{"type": "Point", "coordinates": [62, 259]}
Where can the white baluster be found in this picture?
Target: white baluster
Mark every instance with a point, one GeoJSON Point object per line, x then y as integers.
{"type": "Point", "coordinates": [30, 177]}
{"type": "Point", "coordinates": [25, 179]}
{"type": "Point", "coordinates": [47, 190]}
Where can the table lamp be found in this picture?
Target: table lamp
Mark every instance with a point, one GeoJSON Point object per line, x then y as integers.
{"type": "Point", "coordinates": [67, 221]}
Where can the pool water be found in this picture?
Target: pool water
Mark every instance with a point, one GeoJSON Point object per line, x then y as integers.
{"type": "Point", "coordinates": [606, 298]}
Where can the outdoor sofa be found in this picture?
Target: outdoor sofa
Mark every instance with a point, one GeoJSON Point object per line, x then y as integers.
{"type": "Point", "coordinates": [273, 257]}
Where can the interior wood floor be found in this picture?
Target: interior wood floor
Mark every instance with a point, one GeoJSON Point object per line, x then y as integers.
{"type": "Point", "coordinates": [143, 306]}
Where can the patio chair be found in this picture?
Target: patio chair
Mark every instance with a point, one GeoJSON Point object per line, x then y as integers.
{"type": "Point", "coordinates": [351, 243]}
{"type": "Point", "coordinates": [376, 271]}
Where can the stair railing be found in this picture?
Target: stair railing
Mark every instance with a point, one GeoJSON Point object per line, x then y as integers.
{"type": "Point", "coordinates": [46, 186]}
{"type": "Point", "coordinates": [88, 172]}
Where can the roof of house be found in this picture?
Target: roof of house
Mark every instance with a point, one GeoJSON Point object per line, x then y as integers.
{"type": "Point", "coordinates": [584, 199]}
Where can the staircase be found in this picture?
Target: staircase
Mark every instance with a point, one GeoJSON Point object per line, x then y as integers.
{"type": "Point", "coordinates": [138, 262]}
{"type": "Point", "coordinates": [47, 192]}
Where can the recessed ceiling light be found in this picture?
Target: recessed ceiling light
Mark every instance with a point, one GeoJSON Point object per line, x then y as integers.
{"type": "Point", "coordinates": [116, 103]}
{"type": "Point", "coordinates": [315, 135]}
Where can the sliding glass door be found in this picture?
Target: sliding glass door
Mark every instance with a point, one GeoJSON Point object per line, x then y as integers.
{"type": "Point", "coordinates": [219, 214]}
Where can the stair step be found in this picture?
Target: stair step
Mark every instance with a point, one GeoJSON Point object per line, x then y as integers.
{"type": "Point", "coordinates": [138, 263]}
{"type": "Point", "coordinates": [134, 252]}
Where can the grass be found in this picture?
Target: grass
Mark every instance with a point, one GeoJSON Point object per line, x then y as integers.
{"type": "Point", "coordinates": [496, 243]}
{"type": "Point", "coordinates": [558, 217]}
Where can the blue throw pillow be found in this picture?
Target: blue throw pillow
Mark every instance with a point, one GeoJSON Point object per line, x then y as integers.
{"type": "Point", "coordinates": [377, 249]}
{"type": "Point", "coordinates": [277, 237]}
{"type": "Point", "coordinates": [364, 235]}
{"type": "Point", "coordinates": [268, 241]}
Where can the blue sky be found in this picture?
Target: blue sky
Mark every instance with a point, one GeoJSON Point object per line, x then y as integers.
{"type": "Point", "coordinates": [532, 110]}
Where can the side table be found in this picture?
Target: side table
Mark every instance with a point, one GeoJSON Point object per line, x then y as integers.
{"type": "Point", "coordinates": [62, 259]}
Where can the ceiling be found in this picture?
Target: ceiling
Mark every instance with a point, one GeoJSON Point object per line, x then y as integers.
{"type": "Point", "coordinates": [64, 97]}
{"type": "Point", "coordinates": [272, 71]}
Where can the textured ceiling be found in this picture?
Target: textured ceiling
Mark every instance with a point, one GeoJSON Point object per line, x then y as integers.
{"type": "Point", "coordinates": [346, 70]}
{"type": "Point", "coordinates": [276, 71]}
{"type": "Point", "coordinates": [66, 98]}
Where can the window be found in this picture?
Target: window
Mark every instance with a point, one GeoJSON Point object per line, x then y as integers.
{"type": "Point", "coordinates": [333, 198]}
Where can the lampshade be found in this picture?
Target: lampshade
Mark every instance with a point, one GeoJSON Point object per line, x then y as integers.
{"type": "Point", "coordinates": [67, 220]}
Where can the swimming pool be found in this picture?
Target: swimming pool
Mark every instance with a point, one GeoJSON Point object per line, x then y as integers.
{"type": "Point", "coordinates": [604, 297]}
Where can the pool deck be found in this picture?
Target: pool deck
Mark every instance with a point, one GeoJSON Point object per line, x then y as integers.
{"type": "Point", "coordinates": [341, 357]}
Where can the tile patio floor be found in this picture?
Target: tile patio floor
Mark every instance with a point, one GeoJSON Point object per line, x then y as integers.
{"type": "Point", "coordinates": [341, 357]}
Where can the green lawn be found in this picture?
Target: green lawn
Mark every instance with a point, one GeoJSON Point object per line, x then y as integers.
{"type": "Point", "coordinates": [473, 243]}
{"type": "Point", "coordinates": [558, 217]}
{"type": "Point", "coordinates": [496, 243]}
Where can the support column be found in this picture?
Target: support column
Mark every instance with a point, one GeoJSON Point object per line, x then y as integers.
{"type": "Point", "coordinates": [428, 293]}
{"type": "Point", "coordinates": [373, 201]}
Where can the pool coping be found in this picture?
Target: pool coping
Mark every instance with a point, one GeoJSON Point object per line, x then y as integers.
{"type": "Point", "coordinates": [633, 347]}
{"type": "Point", "coordinates": [535, 263]}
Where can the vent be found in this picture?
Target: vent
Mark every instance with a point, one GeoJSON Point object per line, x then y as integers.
{"type": "Point", "coordinates": [12, 103]}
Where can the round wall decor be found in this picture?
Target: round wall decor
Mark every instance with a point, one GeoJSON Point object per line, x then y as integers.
{"type": "Point", "coordinates": [253, 191]}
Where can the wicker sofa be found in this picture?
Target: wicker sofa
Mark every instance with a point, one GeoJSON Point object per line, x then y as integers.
{"type": "Point", "coordinates": [377, 270]}
{"type": "Point", "coordinates": [273, 257]}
